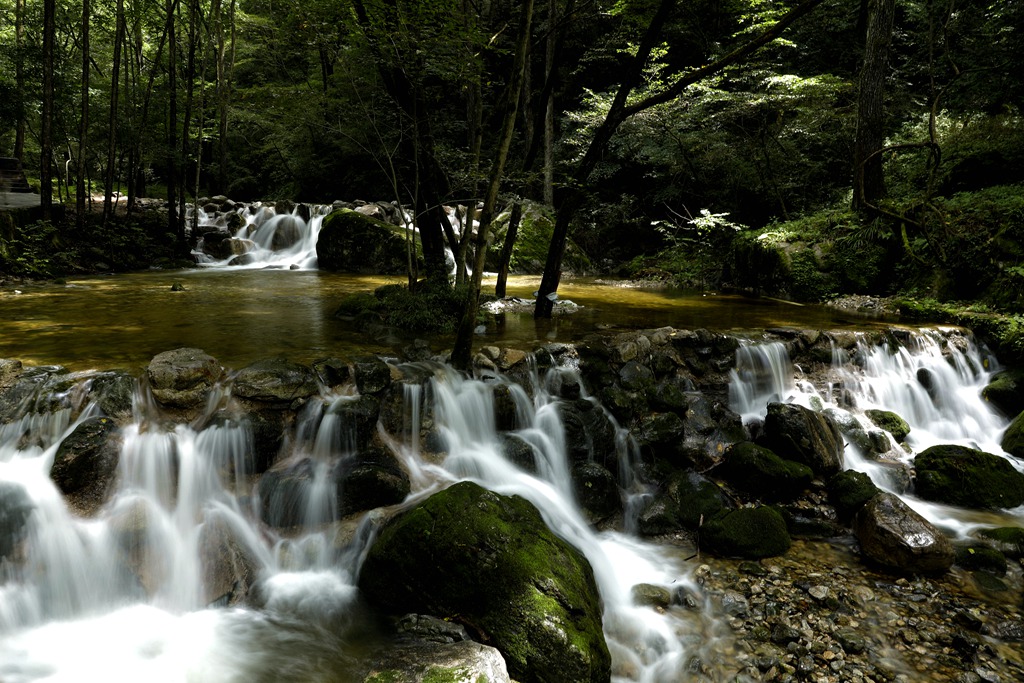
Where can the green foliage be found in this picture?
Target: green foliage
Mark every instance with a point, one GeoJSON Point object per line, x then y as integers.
{"type": "Point", "coordinates": [36, 250]}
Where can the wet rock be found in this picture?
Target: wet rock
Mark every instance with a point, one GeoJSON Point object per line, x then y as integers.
{"type": "Point", "coordinates": [1013, 437]}
{"type": "Point", "coordinates": [423, 627]}
{"type": "Point", "coordinates": [332, 372]}
{"type": "Point", "coordinates": [597, 491]}
{"type": "Point", "coordinates": [1006, 392]}
{"type": "Point", "coordinates": [372, 375]}
{"type": "Point", "coordinates": [351, 242]}
{"type": "Point", "coordinates": [284, 492]}
{"type": "Point", "coordinates": [86, 462]}
{"type": "Point", "coordinates": [890, 422]}
{"type": "Point", "coordinates": [749, 533]}
{"type": "Point", "coordinates": [370, 480]}
{"type": "Point", "coordinates": [518, 451]}
{"type": "Point", "coordinates": [10, 371]}
{"type": "Point", "coordinates": [1007, 540]}
{"type": "Point", "coordinates": [758, 471]}
{"type": "Point", "coordinates": [275, 380]}
{"type": "Point", "coordinates": [649, 595]}
{"type": "Point", "coordinates": [589, 433]}
{"type": "Point", "coordinates": [893, 535]}
{"type": "Point", "coordinates": [849, 490]}
{"type": "Point", "coordinates": [802, 435]}
{"type": "Point", "coordinates": [182, 378]}
{"type": "Point", "coordinates": [114, 393]}
{"type": "Point", "coordinates": [490, 561]}
{"type": "Point", "coordinates": [15, 508]}
{"type": "Point", "coordinates": [635, 376]}
{"type": "Point", "coordinates": [228, 567]}
{"type": "Point", "coordinates": [687, 500]}
{"type": "Point", "coordinates": [659, 436]}
{"type": "Point", "coordinates": [958, 475]}
{"type": "Point", "coordinates": [427, 662]}
{"type": "Point", "coordinates": [980, 558]}
{"type": "Point", "coordinates": [358, 417]}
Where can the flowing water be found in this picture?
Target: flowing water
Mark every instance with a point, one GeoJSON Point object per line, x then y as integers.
{"type": "Point", "coordinates": [72, 610]}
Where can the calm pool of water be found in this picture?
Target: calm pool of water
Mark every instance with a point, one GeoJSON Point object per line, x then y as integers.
{"type": "Point", "coordinates": [238, 316]}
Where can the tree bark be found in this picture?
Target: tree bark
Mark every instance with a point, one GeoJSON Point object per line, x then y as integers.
{"type": "Point", "coordinates": [46, 129]}
{"type": "Point", "coordinates": [115, 80]}
{"type": "Point", "coordinates": [19, 77]}
{"type": "Point", "coordinates": [619, 112]}
{"type": "Point", "coordinates": [506, 249]}
{"type": "Point", "coordinates": [869, 179]}
{"type": "Point", "coordinates": [83, 124]}
{"type": "Point", "coordinates": [462, 350]}
{"type": "Point", "coordinates": [172, 123]}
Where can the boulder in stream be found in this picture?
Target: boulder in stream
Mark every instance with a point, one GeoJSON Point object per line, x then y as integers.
{"type": "Point", "coordinates": [15, 508]}
{"type": "Point", "coordinates": [1013, 437]}
{"type": "Point", "coordinates": [802, 435]}
{"type": "Point", "coordinates": [490, 562]}
{"type": "Point", "coordinates": [353, 243]}
{"type": "Point", "coordinates": [275, 380]}
{"type": "Point", "coordinates": [958, 475]}
{"type": "Point", "coordinates": [759, 471]}
{"type": "Point", "coordinates": [86, 462]}
{"type": "Point", "coordinates": [893, 535]}
{"type": "Point", "coordinates": [750, 533]}
{"type": "Point", "coordinates": [182, 378]}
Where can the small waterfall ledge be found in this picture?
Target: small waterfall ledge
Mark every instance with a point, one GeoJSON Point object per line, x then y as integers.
{"type": "Point", "coordinates": [208, 524]}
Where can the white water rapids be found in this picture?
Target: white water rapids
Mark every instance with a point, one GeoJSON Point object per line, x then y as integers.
{"type": "Point", "coordinates": [71, 611]}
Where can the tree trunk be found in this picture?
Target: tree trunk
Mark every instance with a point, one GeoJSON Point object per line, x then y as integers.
{"type": "Point", "coordinates": [46, 129]}
{"type": "Point", "coordinates": [869, 180]}
{"type": "Point", "coordinates": [172, 123]}
{"type": "Point", "coordinates": [506, 249]}
{"type": "Point", "coordinates": [549, 107]}
{"type": "Point", "coordinates": [19, 77]}
{"type": "Point", "coordinates": [83, 126]}
{"type": "Point", "coordinates": [186, 125]}
{"type": "Point", "coordinates": [463, 348]}
{"type": "Point", "coordinates": [115, 80]}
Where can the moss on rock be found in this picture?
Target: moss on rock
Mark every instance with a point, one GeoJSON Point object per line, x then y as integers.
{"type": "Point", "coordinates": [489, 562]}
{"type": "Point", "coordinates": [963, 476]}
{"type": "Point", "coordinates": [750, 533]}
{"type": "Point", "coordinates": [849, 490]}
{"type": "Point", "coordinates": [890, 422]}
{"type": "Point", "coordinates": [758, 470]}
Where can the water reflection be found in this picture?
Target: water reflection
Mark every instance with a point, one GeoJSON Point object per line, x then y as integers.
{"type": "Point", "coordinates": [239, 316]}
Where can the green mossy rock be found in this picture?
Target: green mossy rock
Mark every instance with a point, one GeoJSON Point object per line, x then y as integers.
{"type": "Point", "coordinates": [1008, 539]}
{"type": "Point", "coordinates": [1013, 437]}
{"type": "Point", "coordinates": [1006, 392]}
{"type": "Point", "coordinates": [848, 491]}
{"type": "Point", "coordinates": [963, 476]}
{"type": "Point", "coordinates": [757, 470]}
{"type": "Point", "coordinates": [488, 561]}
{"type": "Point", "coordinates": [805, 436]}
{"type": "Point", "coordinates": [981, 558]}
{"type": "Point", "coordinates": [350, 242]}
{"type": "Point", "coordinates": [750, 533]}
{"type": "Point", "coordinates": [890, 422]}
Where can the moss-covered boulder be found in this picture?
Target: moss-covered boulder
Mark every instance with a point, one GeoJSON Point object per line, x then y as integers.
{"type": "Point", "coordinates": [750, 533]}
{"type": "Point", "coordinates": [1006, 392]}
{"type": "Point", "coordinates": [757, 470]}
{"type": "Point", "coordinates": [1009, 540]}
{"type": "Point", "coordinates": [1013, 437]}
{"type": "Point", "coordinates": [275, 380]}
{"type": "Point", "coordinates": [958, 475]}
{"type": "Point", "coordinates": [849, 490]}
{"type": "Point", "coordinates": [890, 422]}
{"type": "Point", "coordinates": [684, 502]}
{"type": "Point", "coordinates": [350, 242]}
{"type": "Point", "coordinates": [976, 557]}
{"type": "Point", "coordinates": [85, 463]}
{"type": "Point", "coordinates": [802, 435]}
{"type": "Point", "coordinates": [488, 561]}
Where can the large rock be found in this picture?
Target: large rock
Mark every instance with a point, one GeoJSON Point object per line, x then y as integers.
{"type": "Point", "coordinates": [802, 435]}
{"type": "Point", "coordinates": [370, 480]}
{"type": "Point", "coordinates": [958, 475]}
{"type": "Point", "coordinates": [86, 462]}
{"type": "Point", "coordinates": [15, 508]}
{"type": "Point", "coordinates": [229, 567]}
{"type": "Point", "coordinates": [893, 535]}
{"type": "Point", "coordinates": [751, 533]}
{"type": "Point", "coordinates": [487, 560]}
{"type": "Point", "coordinates": [463, 661]}
{"type": "Point", "coordinates": [1013, 437]}
{"type": "Point", "coordinates": [758, 471]}
{"type": "Point", "coordinates": [849, 490]}
{"type": "Point", "coordinates": [589, 432]}
{"type": "Point", "coordinates": [685, 501]}
{"type": "Point", "coordinates": [182, 378]}
{"type": "Point", "coordinates": [890, 422]}
{"type": "Point", "coordinates": [353, 243]}
{"type": "Point", "coordinates": [1006, 392]}
{"type": "Point", "coordinates": [275, 380]}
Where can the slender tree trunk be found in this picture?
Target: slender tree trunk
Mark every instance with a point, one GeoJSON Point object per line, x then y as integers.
{"type": "Point", "coordinates": [549, 107]}
{"type": "Point", "coordinates": [19, 77]}
{"type": "Point", "coordinates": [83, 126]}
{"type": "Point", "coordinates": [463, 348]}
{"type": "Point", "coordinates": [506, 249]}
{"type": "Point", "coordinates": [186, 126]}
{"type": "Point", "coordinates": [869, 180]}
{"type": "Point", "coordinates": [115, 80]}
{"type": "Point", "coordinates": [172, 123]}
{"type": "Point", "coordinates": [46, 131]}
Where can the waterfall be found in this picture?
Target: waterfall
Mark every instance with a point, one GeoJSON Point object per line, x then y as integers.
{"type": "Point", "coordinates": [130, 593]}
{"type": "Point", "coordinates": [267, 239]}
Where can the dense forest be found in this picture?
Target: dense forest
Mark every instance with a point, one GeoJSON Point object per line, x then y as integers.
{"type": "Point", "coordinates": [806, 148]}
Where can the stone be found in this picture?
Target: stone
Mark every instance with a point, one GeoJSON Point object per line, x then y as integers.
{"type": "Point", "coordinates": [849, 490]}
{"type": "Point", "coordinates": [1013, 437]}
{"type": "Point", "coordinates": [372, 375]}
{"type": "Point", "coordinates": [85, 463]}
{"type": "Point", "coordinates": [802, 435]}
{"type": "Point", "coordinates": [114, 392]}
{"type": "Point", "coordinates": [1006, 392]}
{"type": "Point", "coordinates": [893, 535]}
{"type": "Point", "coordinates": [354, 243]}
{"type": "Point", "coordinates": [228, 567]}
{"type": "Point", "coordinates": [760, 472]}
{"type": "Point", "coordinates": [890, 422]}
{"type": "Point", "coordinates": [749, 533]}
{"type": "Point", "coordinates": [182, 378]}
{"type": "Point", "coordinates": [687, 500]}
{"type": "Point", "coordinates": [649, 595]}
{"type": "Point", "coordinates": [958, 475]}
{"type": "Point", "coordinates": [357, 417]}
{"type": "Point", "coordinates": [15, 508]}
{"type": "Point", "coordinates": [976, 557]}
{"type": "Point", "coordinates": [489, 561]}
{"type": "Point", "coordinates": [369, 480]}
{"type": "Point", "coordinates": [275, 380]}
{"type": "Point", "coordinates": [597, 491]}
{"type": "Point", "coordinates": [427, 662]}
{"type": "Point", "coordinates": [589, 432]}
{"type": "Point", "coordinates": [1007, 540]}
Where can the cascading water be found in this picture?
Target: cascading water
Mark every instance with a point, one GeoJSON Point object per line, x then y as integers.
{"type": "Point", "coordinates": [128, 594]}
{"type": "Point", "coordinates": [268, 239]}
